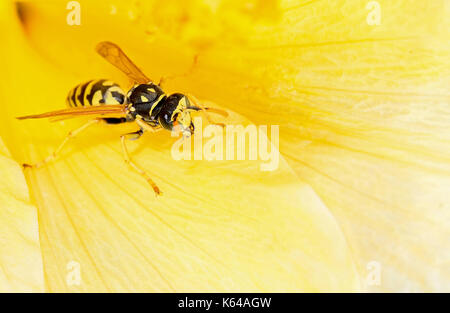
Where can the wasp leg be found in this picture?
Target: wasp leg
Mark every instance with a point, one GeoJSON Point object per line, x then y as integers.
{"type": "Point", "coordinates": [69, 136]}
{"type": "Point", "coordinates": [146, 127]}
{"type": "Point", "coordinates": [197, 103]}
{"type": "Point", "coordinates": [163, 79]}
{"type": "Point", "coordinates": [134, 135]}
{"type": "Point", "coordinates": [130, 162]}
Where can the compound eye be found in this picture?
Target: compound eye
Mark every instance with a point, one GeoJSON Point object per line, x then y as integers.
{"type": "Point", "coordinates": [165, 121]}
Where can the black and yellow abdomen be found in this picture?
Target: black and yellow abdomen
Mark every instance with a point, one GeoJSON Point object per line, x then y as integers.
{"type": "Point", "coordinates": [95, 92]}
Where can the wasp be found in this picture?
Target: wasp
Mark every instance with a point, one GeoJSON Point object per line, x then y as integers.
{"type": "Point", "coordinates": [145, 103]}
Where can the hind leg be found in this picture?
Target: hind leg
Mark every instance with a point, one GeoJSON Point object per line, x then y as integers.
{"type": "Point", "coordinates": [69, 136]}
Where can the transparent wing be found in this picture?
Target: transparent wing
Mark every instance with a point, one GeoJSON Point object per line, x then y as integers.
{"type": "Point", "coordinates": [114, 55]}
{"type": "Point", "coordinates": [101, 111]}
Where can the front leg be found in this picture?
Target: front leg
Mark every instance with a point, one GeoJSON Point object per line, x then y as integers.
{"type": "Point", "coordinates": [143, 173]}
{"type": "Point", "coordinates": [145, 126]}
{"type": "Point", "coordinates": [204, 110]}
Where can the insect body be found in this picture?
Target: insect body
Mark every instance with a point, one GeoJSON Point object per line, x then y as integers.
{"type": "Point", "coordinates": [150, 104]}
{"type": "Point", "coordinates": [95, 92]}
{"type": "Point", "coordinates": [145, 103]}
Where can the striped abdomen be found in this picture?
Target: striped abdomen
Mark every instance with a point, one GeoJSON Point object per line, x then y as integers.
{"type": "Point", "coordinates": [95, 92]}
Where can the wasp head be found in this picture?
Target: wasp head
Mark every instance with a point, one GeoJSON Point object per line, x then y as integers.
{"type": "Point", "coordinates": [175, 112]}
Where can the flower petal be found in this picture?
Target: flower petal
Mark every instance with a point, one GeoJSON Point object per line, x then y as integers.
{"type": "Point", "coordinates": [363, 108]}
{"type": "Point", "coordinates": [20, 254]}
{"type": "Point", "coordinates": [220, 226]}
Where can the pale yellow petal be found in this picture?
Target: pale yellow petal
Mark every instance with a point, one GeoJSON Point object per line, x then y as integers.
{"type": "Point", "coordinates": [20, 255]}
{"type": "Point", "coordinates": [365, 115]}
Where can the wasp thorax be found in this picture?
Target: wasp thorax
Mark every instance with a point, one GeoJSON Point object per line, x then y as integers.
{"type": "Point", "coordinates": [175, 112]}
{"type": "Point", "coordinates": [145, 100]}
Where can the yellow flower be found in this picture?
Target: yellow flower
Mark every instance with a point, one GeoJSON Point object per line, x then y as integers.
{"type": "Point", "coordinates": [360, 92]}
